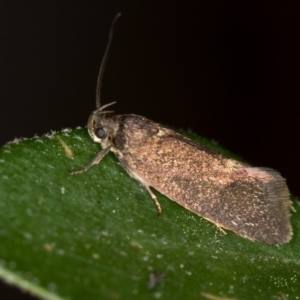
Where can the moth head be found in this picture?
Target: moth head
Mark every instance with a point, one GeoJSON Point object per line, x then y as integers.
{"type": "Point", "coordinates": [103, 125]}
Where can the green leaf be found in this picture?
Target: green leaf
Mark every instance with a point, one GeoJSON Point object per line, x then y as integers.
{"type": "Point", "coordinates": [97, 235]}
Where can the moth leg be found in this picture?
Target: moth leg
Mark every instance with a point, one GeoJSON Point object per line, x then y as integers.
{"type": "Point", "coordinates": [95, 161]}
{"type": "Point", "coordinates": [221, 229]}
{"type": "Point", "coordinates": [154, 199]}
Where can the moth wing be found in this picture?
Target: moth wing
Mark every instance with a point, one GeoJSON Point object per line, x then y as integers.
{"type": "Point", "coordinates": [253, 202]}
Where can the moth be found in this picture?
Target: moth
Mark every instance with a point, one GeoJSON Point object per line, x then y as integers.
{"type": "Point", "coordinates": [252, 202]}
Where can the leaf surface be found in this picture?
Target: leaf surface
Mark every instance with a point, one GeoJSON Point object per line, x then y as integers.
{"type": "Point", "coordinates": [97, 235]}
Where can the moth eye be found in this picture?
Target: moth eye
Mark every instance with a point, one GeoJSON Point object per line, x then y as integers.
{"type": "Point", "coordinates": [100, 133]}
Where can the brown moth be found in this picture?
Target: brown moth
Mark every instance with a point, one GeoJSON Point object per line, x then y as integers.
{"type": "Point", "coordinates": [252, 202]}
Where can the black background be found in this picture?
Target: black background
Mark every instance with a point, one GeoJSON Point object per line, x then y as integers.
{"type": "Point", "coordinates": [228, 70]}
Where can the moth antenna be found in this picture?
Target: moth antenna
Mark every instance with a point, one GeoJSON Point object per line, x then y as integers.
{"type": "Point", "coordinates": [104, 60]}
{"type": "Point", "coordinates": [106, 105]}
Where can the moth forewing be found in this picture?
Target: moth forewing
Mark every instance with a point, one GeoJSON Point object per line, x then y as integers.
{"type": "Point", "coordinates": [253, 202]}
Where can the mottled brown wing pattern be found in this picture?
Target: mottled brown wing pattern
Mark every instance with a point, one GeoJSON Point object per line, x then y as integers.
{"type": "Point", "coordinates": [230, 194]}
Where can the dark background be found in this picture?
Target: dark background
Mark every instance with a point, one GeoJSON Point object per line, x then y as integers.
{"type": "Point", "coordinates": [228, 70]}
